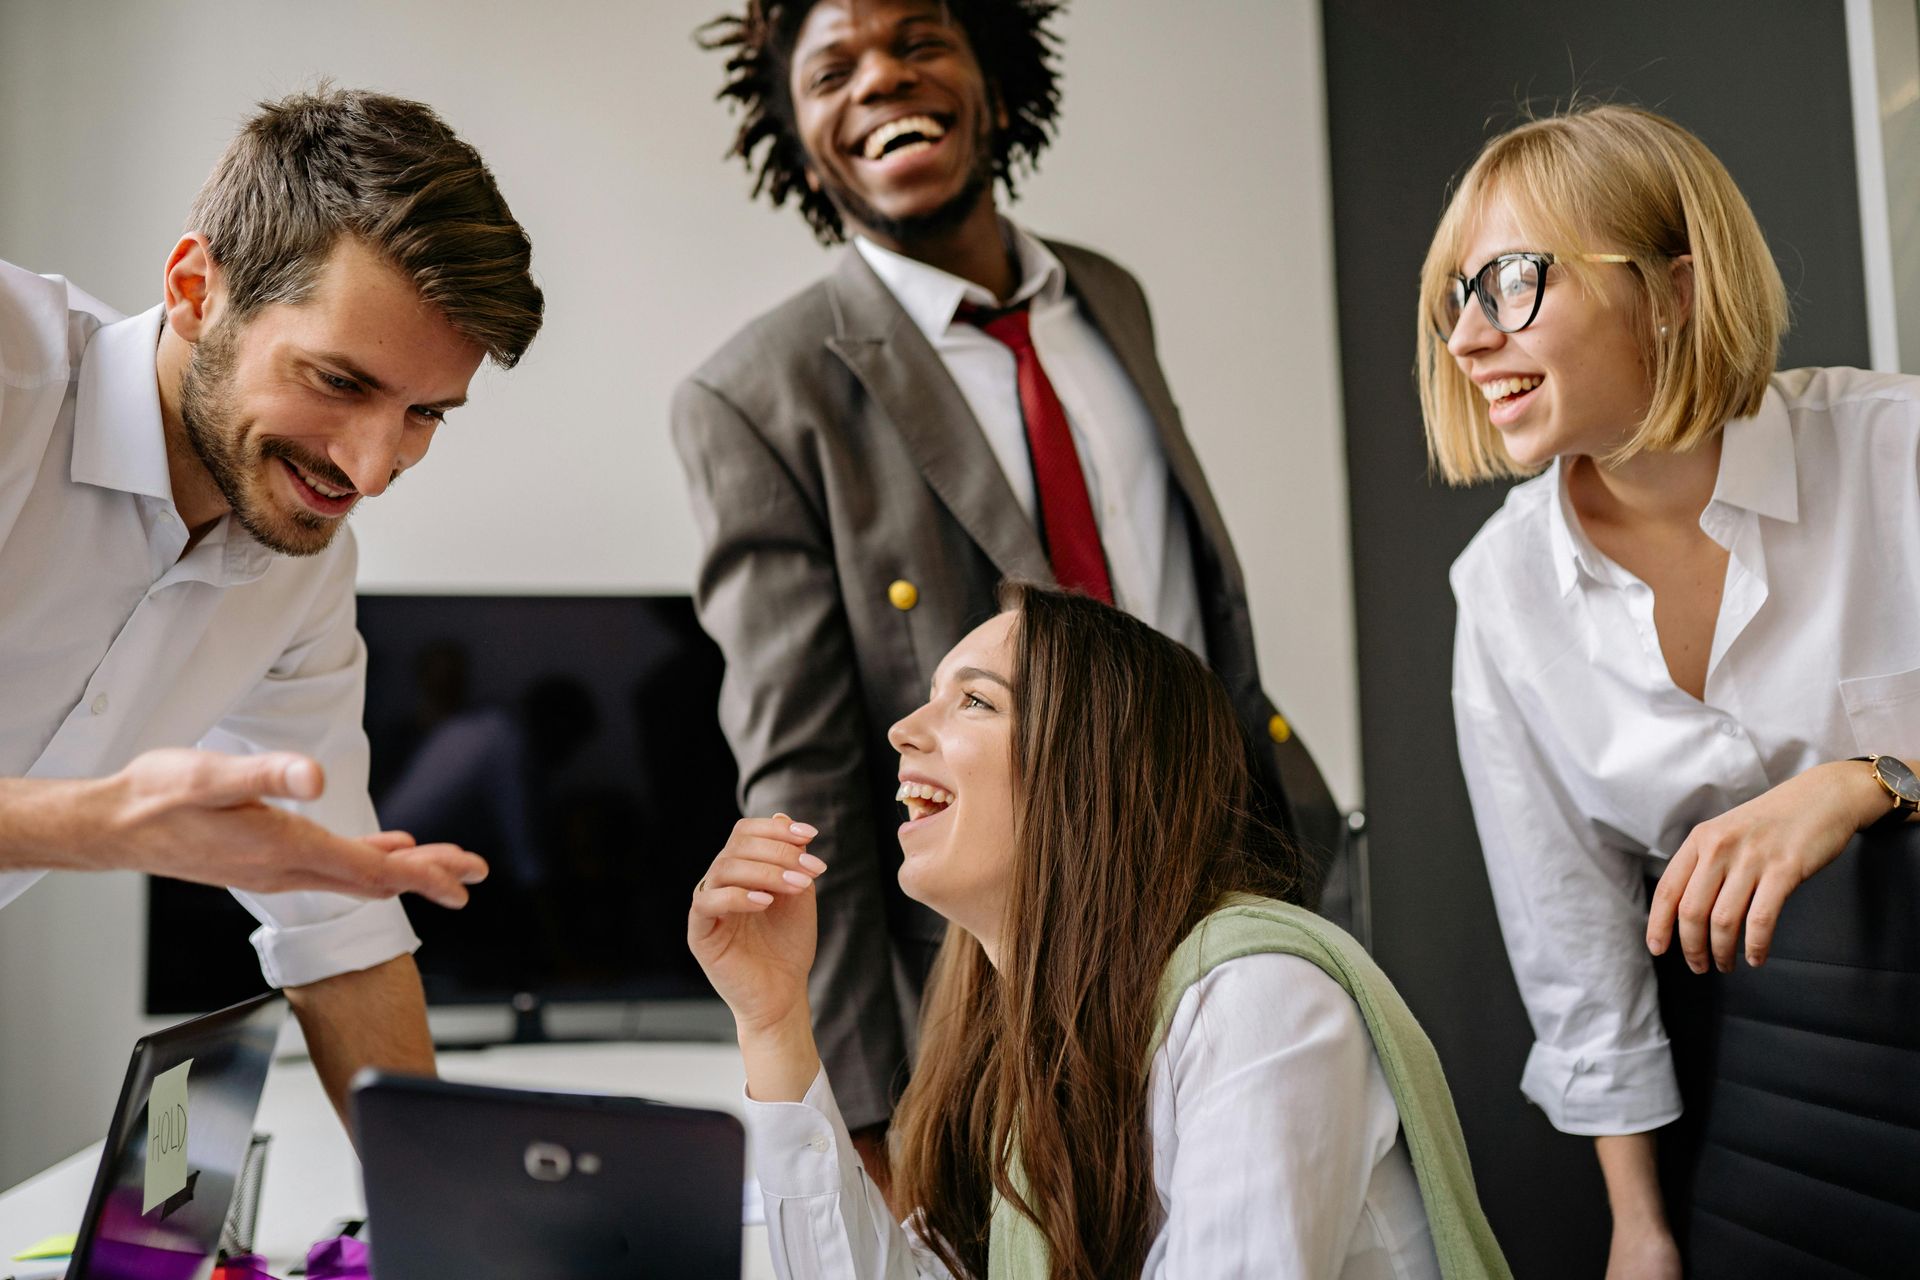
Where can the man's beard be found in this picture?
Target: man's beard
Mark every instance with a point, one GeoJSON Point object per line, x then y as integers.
{"type": "Point", "coordinates": [923, 226]}
{"type": "Point", "coordinates": [218, 439]}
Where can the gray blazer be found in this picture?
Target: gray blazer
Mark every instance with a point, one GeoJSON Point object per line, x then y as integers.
{"type": "Point", "coordinates": [856, 525]}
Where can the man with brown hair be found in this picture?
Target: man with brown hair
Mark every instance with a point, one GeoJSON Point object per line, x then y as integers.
{"type": "Point", "coordinates": [173, 559]}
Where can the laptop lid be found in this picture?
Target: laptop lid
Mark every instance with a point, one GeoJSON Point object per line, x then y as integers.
{"type": "Point", "coordinates": [177, 1145]}
{"type": "Point", "coordinates": [488, 1183]}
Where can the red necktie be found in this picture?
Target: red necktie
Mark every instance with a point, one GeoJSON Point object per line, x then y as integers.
{"type": "Point", "coordinates": [1066, 514]}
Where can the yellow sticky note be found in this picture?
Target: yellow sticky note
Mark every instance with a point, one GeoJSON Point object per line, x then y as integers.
{"type": "Point", "coordinates": [51, 1247]}
{"type": "Point", "coordinates": [166, 1137]}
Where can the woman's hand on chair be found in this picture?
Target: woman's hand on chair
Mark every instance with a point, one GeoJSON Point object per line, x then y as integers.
{"type": "Point", "coordinates": [1739, 868]}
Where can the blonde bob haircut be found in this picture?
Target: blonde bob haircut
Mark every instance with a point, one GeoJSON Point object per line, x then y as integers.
{"type": "Point", "coordinates": [1614, 179]}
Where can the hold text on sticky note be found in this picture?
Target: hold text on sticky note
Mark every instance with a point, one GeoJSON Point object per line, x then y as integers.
{"type": "Point", "coordinates": [166, 1137]}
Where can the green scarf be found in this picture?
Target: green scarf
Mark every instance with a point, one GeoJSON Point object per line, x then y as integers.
{"type": "Point", "coordinates": [1249, 926]}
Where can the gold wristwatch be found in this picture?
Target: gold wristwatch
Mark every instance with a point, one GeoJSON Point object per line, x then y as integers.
{"type": "Point", "coordinates": [1900, 784]}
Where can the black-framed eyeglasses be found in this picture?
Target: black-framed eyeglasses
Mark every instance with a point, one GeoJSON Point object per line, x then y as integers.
{"type": "Point", "coordinates": [1509, 289]}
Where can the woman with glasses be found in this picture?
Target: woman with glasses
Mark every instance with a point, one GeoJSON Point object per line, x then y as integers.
{"type": "Point", "coordinates": [1135, 1060]}
{"type": "Point", "coordinates": [1688, 646]}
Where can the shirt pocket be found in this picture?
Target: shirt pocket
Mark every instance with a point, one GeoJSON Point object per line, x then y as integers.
{"type": "Point", "coordinates": [1884, 712]}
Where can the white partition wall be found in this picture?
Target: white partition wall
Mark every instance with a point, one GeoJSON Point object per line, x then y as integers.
{"type": "Point", "coordinates": [1883, 45]}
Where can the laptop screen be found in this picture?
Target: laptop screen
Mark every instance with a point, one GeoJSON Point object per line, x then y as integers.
{"type": "Point", "coordinates": [178, 1145]}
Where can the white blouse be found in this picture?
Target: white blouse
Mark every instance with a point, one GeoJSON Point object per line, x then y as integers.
{"type": "Point", "coordinates": [1276, 1150]}
{"type": "Point", "coordinates": [1588, 766]}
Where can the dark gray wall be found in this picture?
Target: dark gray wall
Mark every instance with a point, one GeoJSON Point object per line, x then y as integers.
{"type": "Point", "coordinates": [1413, 90]}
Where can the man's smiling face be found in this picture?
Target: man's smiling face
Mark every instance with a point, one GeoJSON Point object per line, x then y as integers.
{"type": "Point", "coordinates": [896, 117]}
{"type": "Point", "coordinates": [301, 409]}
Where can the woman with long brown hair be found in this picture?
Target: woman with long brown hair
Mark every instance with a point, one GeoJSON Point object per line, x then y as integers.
{"type": "Point", "coordinates": [1136, 1058]}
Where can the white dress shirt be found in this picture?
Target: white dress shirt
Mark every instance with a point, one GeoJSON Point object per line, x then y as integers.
{"type": "Point", "coordinates": [1276, 1151]}
{"type": "Point", "coordinates": [112, 643]}
{"type": "Point", "coordinates": [1588, 767]}
{"type": "Point", "coordinates": [1136, 503]}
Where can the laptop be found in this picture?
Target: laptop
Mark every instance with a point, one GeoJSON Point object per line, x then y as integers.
{"type": "Point", "coordinates": [488, 1183]}
{"type": "Point", "coordinates": [176, 1149]}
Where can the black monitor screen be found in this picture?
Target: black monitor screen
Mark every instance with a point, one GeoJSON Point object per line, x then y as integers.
{"type": "Point", "coordinates": [573, 741]}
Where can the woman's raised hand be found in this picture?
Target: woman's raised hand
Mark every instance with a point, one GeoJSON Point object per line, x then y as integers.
{"type": "Point", "coordinates": [752, 924]}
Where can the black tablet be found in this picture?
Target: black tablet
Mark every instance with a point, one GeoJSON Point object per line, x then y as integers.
{"type": "Point", "coordinates": [482, 1182]}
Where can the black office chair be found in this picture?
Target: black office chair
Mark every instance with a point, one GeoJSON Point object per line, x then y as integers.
{"type": "Point", "coordinates": [1799, 1155]}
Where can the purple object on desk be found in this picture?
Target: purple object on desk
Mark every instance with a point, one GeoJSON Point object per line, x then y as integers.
{"type": "Point", "coordinates": [116, 1260]}
{"type": "Point", "coordinates": [341, 1258]}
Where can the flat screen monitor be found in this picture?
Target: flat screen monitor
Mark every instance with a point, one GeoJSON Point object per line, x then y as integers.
{"type": "Point", "coordinates": [574, 742]}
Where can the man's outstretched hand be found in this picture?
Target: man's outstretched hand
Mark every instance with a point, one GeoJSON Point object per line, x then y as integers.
{"type": "Point", "coordinates": [203, 816]}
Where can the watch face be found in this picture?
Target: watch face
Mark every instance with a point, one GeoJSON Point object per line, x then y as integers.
{"type": "Point", "coordinates": [1899, 779]}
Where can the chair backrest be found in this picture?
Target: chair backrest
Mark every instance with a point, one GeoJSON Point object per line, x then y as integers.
{"type": "Point", "coordinates": [1800, 1152]}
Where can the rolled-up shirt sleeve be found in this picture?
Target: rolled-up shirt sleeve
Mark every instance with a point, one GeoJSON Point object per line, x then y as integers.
{"type": "Point", "coordinates": [1573, 913]}
{"type": "Point", "coordinates": [826, 1220]}
{"type": "Point", "coordinates": [311, 702]}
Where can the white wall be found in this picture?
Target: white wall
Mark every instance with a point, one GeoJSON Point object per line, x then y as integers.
{"type": "Point", "coordinates": [1883, 53]}
{"type": "Point", "coordinates": [1198, 162]}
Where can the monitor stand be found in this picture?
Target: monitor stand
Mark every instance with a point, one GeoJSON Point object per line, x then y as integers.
{"type": "Point", "coordinates": [529, 1019]}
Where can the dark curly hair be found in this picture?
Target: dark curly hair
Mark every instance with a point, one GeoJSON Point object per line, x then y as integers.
{"type": "Point", "coordinates": [1010, 38]}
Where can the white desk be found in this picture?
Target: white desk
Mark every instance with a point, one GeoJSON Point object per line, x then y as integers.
{"type": "Point", "coordinates": [313, 1178]}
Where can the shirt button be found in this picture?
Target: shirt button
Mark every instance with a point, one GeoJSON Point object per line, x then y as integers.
{"type": "Point", "coordinates": [903, 595]}
{"type": "Point", "coordinates": [99, 704]}
{"type": "Point", "coordinates": [821, 1142]}
{"type": "Point", "coordinates": [1729, 728]}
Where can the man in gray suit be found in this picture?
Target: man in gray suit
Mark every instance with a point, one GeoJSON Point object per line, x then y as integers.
{"type": "Point", "coordinates": [958, 403]}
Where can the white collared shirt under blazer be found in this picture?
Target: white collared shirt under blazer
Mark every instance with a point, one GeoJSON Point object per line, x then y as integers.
{"type": "Point", "coordinates": [1276, 1144]}
{"type": "Point", "coordinates": [1136, 502]}
{"type": "Point", "coordinates": [112, 643]}
{"type": "Point", "coordinates": [1588, 766]}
